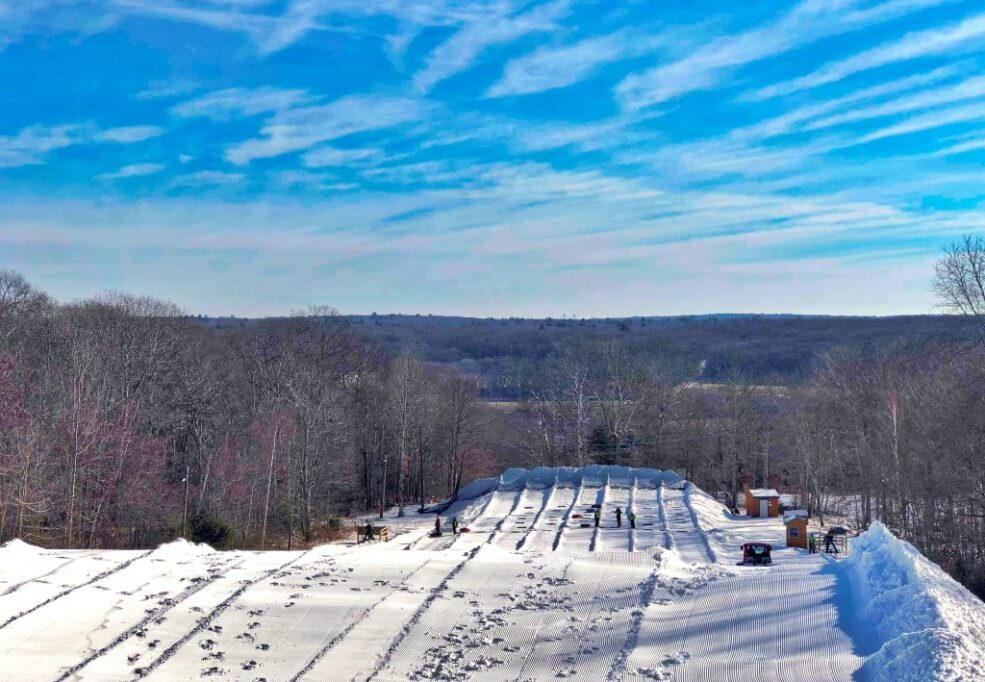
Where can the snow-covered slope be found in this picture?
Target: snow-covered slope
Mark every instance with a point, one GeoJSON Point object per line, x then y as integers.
{"type": "Point", "coordinates": [534, 591]}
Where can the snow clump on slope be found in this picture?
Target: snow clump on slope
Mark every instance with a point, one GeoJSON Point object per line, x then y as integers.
{"type": "Point", "coordinates": [181, 549]}
{"type": "Point", "coordinates": [13, 549]}
{"type": "Point", "coordinates": [932, 629]}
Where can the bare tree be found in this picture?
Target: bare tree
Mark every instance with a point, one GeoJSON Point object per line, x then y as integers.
{"type": "Point", "coordinates": [406, 400]}
{"type": "Point", "coordinates": [959, 279]}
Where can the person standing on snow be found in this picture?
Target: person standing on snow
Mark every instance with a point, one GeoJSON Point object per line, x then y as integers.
{"type": "Point", "coordinates": [618, 517]}
{"type": "Point", "coordinates": [454, 525]}
{"type": "Point", "coordinates": [632, 520]}
{"type": "Point", "coordinates": [598, 516]}
{"type": "Point", "coordinates": [437, 526]}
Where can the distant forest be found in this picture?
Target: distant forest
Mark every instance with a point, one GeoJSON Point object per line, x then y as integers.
{"type": "Point", "coordinates": [761, 349]}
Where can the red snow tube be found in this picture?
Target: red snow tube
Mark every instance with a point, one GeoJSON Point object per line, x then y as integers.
{"type": "Point", "coordinates": [464, 530]}
{"type": "Point", "coordinates": [576, 516]}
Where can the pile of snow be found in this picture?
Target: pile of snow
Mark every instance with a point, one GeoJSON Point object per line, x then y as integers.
{"type": "Point", "coordinates": [180, 550]}
{"type": "Point", "coordinates": [17, 549]}
{"type": "Point", "coordinates": [930, 627]}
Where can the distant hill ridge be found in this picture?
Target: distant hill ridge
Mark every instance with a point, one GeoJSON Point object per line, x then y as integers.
{"type": "Point", "coordinates": [761, 348]}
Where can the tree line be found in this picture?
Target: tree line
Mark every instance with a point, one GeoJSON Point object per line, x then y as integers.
{"type": "Point", "coordinates": [124, 423]}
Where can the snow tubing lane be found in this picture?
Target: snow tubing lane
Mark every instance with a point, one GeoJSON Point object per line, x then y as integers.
{"type": "Point", "coordinates": [419, 613]}
{"type": "Point", "coordinates": [65, 593]}
{"type": "Point", "coordinates": [600, 502]}
{"type": "Point", "coordinates": [140, 625]}
{"type": "Point", "coordinates": [324, 651]}
{"type": "Point", "coordinates": [564, 522]}
{"type": "Point", "coordinates": [206, 620]}
{"type": "Point", "coordinates": [17, 586]}
{"type": "Point", "coordinates": [545, 501]}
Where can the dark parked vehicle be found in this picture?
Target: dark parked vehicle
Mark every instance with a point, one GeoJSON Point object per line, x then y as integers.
{"type": "Point", "coordinates": [757, 554]}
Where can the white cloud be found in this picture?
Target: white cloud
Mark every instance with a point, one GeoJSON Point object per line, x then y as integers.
{"type": "Point", "coordinates": [223, 105]}
{"type": "Point", "coordinates": [584, 137]}
{"type": "Point", "coordinates": [791, 120]}
{"type": "Point", "coordinates": [807, 22]}
{"type": "Point", "coordinates": [332, 156]}
{"type": "Point", "coordinates": [167, 89]}
{"type": "Point", "coordinates": [31, 144]}
{"type": "Point", "coordinates": [206, 178]}
{"type": "Point", "coordinates": [972, 143]}
{"type": "Point", "coordinates": [460, 51]}
{"type": "Point", "coordinates": [928, 43]}
{"type": "Point", "coordinates": [304, 127]}
{"type": "Point", "coordinates": [128, 134]}
{"type": "Point", "coordinates": [20, 19]}
{"type": "Point", "coordinates": [968, 89]}
{"type": "Point", "coordinates": [971, 113]}
{"type": "Point", "coordinates": [556, 67]}
{"type": "Point", "coordinates": [269, 32]}
{"type": "Point", "coordinates": [132, 171]}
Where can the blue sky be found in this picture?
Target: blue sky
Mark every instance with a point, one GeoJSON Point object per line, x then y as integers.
{"type": "Point", "coordinates": [252, 157]}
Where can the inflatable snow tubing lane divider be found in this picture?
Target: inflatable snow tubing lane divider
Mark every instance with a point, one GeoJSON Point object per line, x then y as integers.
{"type": "Point", "coordinates": [518, 478]}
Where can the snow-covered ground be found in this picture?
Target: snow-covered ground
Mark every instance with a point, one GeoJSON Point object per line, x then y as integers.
{"type": "Point", "coordinates": [534, 591]}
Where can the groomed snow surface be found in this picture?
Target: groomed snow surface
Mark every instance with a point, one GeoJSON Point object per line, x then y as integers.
{"type": "Point", "coordinates": [532, 592]}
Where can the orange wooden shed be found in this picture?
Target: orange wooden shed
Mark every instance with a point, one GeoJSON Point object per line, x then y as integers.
{"type": "Point", "coordinates": [762, 502]}
{"type": "Point", "coordinates": [796, 525]}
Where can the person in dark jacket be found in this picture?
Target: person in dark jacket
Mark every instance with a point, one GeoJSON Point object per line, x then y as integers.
{"type": "Point", "coordinates": [437, 526]}
{"type": "Point", "coordinates": [369, 530]}
{"type": "Point", "coordinates": [618, 517]}
{"type": "Point", "coordinates": [454, 525]}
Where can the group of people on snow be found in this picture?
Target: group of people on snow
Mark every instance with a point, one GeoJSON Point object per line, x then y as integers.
{"type": "Point", "coordinates": [437, 525]}
{"type": "Point", "coordinates": [618, 512]}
